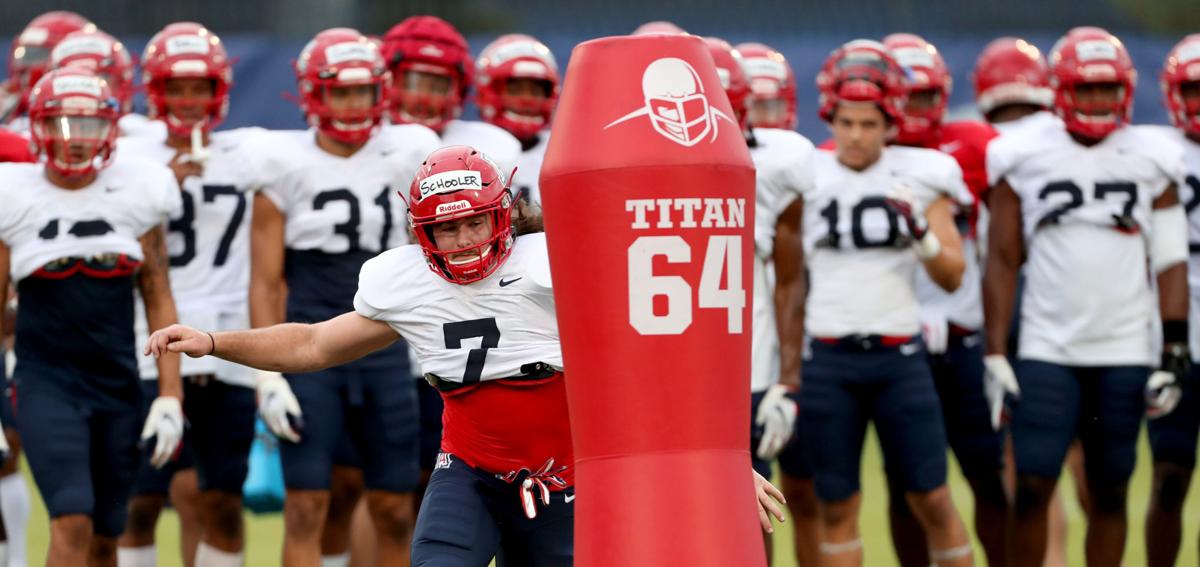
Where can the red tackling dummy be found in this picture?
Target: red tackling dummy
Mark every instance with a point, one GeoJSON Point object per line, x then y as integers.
{"type": "Point", "coordinates": [13, 147]}
{"type": "Point", "coordinates": [648, 192]}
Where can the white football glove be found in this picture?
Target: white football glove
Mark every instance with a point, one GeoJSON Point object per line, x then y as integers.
{"type": "Point", "coordinates": [164, 423]}
{"type": "Point", "coordinates": [903, 202]}
{"type": "Point", "coordinates": [999, 382]}
{"type": "Point", "coordinates": [1163, 389]}
{"type": "Point", "coordinates": [275, 403]}
{"type": "Point", "coordinates": [936, 331]}
{"type": "Point", "coordinates": [777, 416]}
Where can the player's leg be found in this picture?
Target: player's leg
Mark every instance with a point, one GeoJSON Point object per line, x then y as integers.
{"type": "Point", "coordinates": [545, 541]}
{"type": "Point", "coordinates": [1043, 426]}
{"type": "Point", "coordinates": [362, 537]}
{"type": "Point", "coordinates": [388, 432]}
{"type": "Point", "coordinates": [58, 438]}
{"type": "Point", "coordinates": [1173, 440]}
{"type": "Point", "coordinates": [908, 420]}
{"type": "Point", "coordinates": [222, 419]}
{"type": "Point", "coordinates": [184, 492]}
{"type": "Point", "coordinates": [455, 527]}
{"type": "Point", "coordinates": [1113, 408]}
{"type": "Point", "coordinates": [345, 496]}
{"type": "Point", "coordinates": [835, 425]}
{"type": "Point", "coordinates": [978, 448]}
{"type": "Point", "coordinates": [151, 488]}
{"type": "Point", "coordinates": [14, 493]}
{"type": "Point", "coordinates": [115, 462]}
{"type": "Point", "coordinates": [308, 465]}
{"type": "Point", "coordinates": [908, 537]}
{"type": "Point", "coordinates": [796, 466]}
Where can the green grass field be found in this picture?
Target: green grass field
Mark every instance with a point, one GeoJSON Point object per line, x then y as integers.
{"type": "Point", "coordinates": [266, 532]}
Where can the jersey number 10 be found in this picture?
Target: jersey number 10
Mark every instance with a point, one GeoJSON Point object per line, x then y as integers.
{"type": "Point", "coordinates": [724, 254]}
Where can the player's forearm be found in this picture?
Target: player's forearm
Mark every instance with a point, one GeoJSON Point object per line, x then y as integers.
{"type": "Point", "coordinates": [789, 315]}
{"type": "Point", "coordinates": [1173, 293]}
{"type": "Point", "coordinates": [999, 290]}
{"type": "Point", "coordinates": [946, 269]}
{"type": "Point", "coordinates": [160, 314]}
{"type": "Point", "coordinates": [155, 287]}
{"type": "Point", "coordinates": [265, 298]}
{"type": "Point", "coordinates": [286, 347]}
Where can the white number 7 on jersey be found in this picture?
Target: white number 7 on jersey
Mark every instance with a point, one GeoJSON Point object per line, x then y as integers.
{"type": "Point", "coordinates": [722, 252]}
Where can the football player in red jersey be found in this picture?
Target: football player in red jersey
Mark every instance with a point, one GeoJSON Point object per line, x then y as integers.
{"type": "Point", "coordinates": [951, 322]}
{"type": "Point", "coordinates": [29, 59]}
{"type": "Point", "coordinates": [14, 147]}
{"type": "Point", "coordinates": [1173, 436]}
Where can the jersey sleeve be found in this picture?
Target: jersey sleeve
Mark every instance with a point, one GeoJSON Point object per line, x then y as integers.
{"type": "Point", "coordinates": [162, 195]}
{"type": "Point", "coordinates": [1000, 158]}
{"type": "Point", "coordinates": [1167, 156]}
{"type": "Point", "coordinates": [383, 288]}
{"type": "Point", "coordinates": [941, 174]}
{"type": "Point", "coordinates": [271, 153]}
{"type": "Point", "coordinates": [10, 213]}
{"type": "Point", "coordinates": [538, 259]}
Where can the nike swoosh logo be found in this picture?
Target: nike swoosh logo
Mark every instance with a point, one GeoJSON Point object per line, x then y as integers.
{"type": "Point", "coordinates": [569, 498]}
{"type": "Point", "coordinates": [504, 283]}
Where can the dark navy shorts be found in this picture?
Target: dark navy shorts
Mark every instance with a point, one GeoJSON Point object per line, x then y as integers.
{"type": "Point", "coordinates": [1173, 437]}
{"type": "Point", "coordinates": [374, 408]}
{"type": "Point", "coordinates": [850, 384]}
{"type": "Point", "coordinates": [83, 457]}
{"type": "Point", "coordinates": [794, 459]}
{"type": "Point", "coordinates": [958, 376]}
{"type": "Point", "coordinates": [1103, 406]}
{"type": "Point", "coordinates": [469, 516]}
{"type": "Point", "coordinates": [221, 418]}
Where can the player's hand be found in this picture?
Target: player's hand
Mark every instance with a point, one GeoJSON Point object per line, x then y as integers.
{"type": "Point", "coordinates": [935, 329]}
{"type": "Point", "coordinates": [777, 416]}
{"type": "Point", "coordinates": [1163, 390]}
{"type": "Point", "coordinates": [5, 450]}
{"type": "Point", "coordinates": [900, 200]}
{"type": "Point", "coordinates": [180, 339]}
{"type": "Point", "coordinates": [769, 499]}
{"type": "Point", "coordinates": [276, 403]}
{"type": "Point", "coordinates": [183, 166]}
{"type": "Point", "coordinates": [999, 387]}
{"type": "Point", "coordinates": [164, 424]}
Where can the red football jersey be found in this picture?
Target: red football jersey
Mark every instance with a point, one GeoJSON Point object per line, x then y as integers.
{"type": "Point", "coordinates": [13, 147]}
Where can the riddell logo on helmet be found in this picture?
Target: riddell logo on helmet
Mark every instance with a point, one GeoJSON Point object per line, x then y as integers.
{"type": "Point", "coordinates": [451, 181]}
{"type": "Point", "coordinates": [77, 85]}
{"type": "Point", "coordinates": [676, 104]}
{"type": "Point", "coordinates": [447, 208]}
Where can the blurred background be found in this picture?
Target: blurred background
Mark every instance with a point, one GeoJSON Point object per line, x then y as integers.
{"type": "Point", "coordinates": [265, 35]}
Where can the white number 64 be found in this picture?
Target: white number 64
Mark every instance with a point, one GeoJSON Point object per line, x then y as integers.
{"type": "Point", "coordinates": [724, 253]}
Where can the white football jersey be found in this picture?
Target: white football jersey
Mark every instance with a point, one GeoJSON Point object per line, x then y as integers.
{"type": "Point", "coordinates": [860, 261]}
{"type": "Point", "coordinates": [1039, 119]}
{"type": "Point", "coordinates": [338, 205]}
{"type": "Point", "coordinates": [494, 141]}
{"type": "Point", "coordinates": [41, 222]}
{"type": "Point", "coordinates": [209, 241]}
{"type": "Point", "coordinates": [491, 329]}
{"type": "Point", "coordinates": [1088, 291]}
{"type": "Point", "coordinates": [135, 125]}
{"type": "Point", "coordinates": [782, 175]}
{"type": "Point", "coordinates": [529, 168]}
{"type": "Point", "coordinates": [1189, 195]}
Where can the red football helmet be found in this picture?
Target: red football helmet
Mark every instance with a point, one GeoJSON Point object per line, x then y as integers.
{"type": "Point", "coordinates": [862, 71]}
{"type": "Point", "coordinates": [453, 183]}
{"type": "Point", "coordinates": [342, 57]}
{"type": "Point", "coordinates": [516, 56]}
{"type": "Point", "coordinates": [103, 54]}
{"type": "Point", "coordinates": [732, 75]}
{"type": "Point", "coordinates": [926, 71]}
{"type": "Point", "coordinates": [73, 121]}
{"type": "Point", "coordinates": [431, 68]}
{"type": "Point", "coordinates": [186, 50]}
{"type": "Point", "coordinates": [29, 57]}
{"type": "Point", "coordinates": [1182, 68]}
{"type": "Point", "coordinates": [772, 87]}
{"type": "Point", "coordinates": [1090, 55]}
{"type": "Point", "coordinates": [1011, 71]}
{"type": "Point", "coordinates": [661, 27]}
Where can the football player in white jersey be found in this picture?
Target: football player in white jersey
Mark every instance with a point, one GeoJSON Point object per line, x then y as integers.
{"type": "Point", "coordinates": [79, 234]}
{"type": "Point", "coordinates": [1089, 204]}
{"type": "Point", "coordinates": [1011, 82]}
{"type": "Point", "coordinates": [333, 205]}
{"type": "Point", "coordinates": [782, 174]}
{"type": "Point", "coordinates": [516, 86]}
{"type": "Point", "coordinates": [875, 215]}
{"type": "Point", "coordinates": [1173, 437]}
{"type": "Point", "coordinates": [29, 59]}
{"type": "Point", "coordinates": [188, 75]}
{"type": "Point", "coordinates": [505, 470]}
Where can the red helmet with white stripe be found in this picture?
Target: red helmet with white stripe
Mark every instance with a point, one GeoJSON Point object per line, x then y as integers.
{"type": "Point", "coordinates": [1091, 56]}
{"type": "Point", "coordinates": [73, 121]}
{"type": "Point", "coordinates": [502, 65]}
{"type": "Point", "coordinates": [454, 183]}
{"type": "Point", "coordinates": [926, 73]}
{"type": "Point", "coordinates": [29, 57]}
{"type": "Point", "coordinates": [733, 76]}
{"type": "Point", "coordinates": [103, 54]}
{"type": "Point", "coordinates": [186, 50]}
{"type": "Point", "coordinates": [431, 71]}
{"type": "Point", "coordinates": [342, 57]}
{"type": "Point", "coordinates": [1011, 71]}
{"type": "Point", "coordinates": [1181, 84]}
{"type": "Point", "coordinates": [862, 71]}
{"type": "Point", "coordinates": [772, 101]}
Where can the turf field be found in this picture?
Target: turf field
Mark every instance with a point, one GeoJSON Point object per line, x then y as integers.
{"type": "Point", "coordinates": [266, 532]}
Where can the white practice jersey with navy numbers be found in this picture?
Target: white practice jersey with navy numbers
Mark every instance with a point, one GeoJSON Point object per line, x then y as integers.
{"type": "Point", "coordinates": [782, 175]}
{"type": "Point", "coordinates": [1189, 195]}
{"type": "Point", "coordinates": [41, 222]}
{"type": "Point", "coordinates": [209, 241]}
{"type": "Point", "coordinates": [495, 328]}
{"type": "Point", "coordinates": [353, 204]}
{"type": "Point", "coordinates": [1089, 298]}
{"type": "Point", "coordinates": [493, 141]}
{"type": "Point", "coordinates": [860, 262]}
{"type": "Point", "coordinates": [529, 168]}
